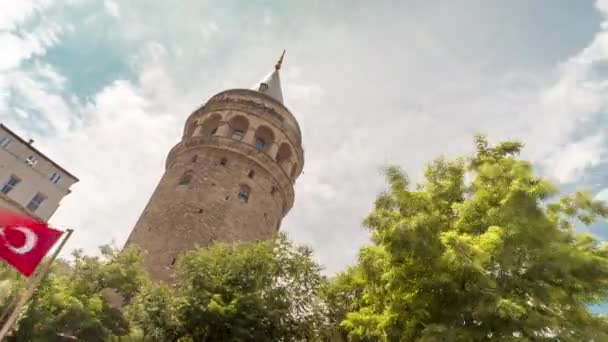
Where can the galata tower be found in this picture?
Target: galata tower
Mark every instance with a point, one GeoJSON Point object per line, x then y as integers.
{"type": "Point", "coordinates": [230, 178]}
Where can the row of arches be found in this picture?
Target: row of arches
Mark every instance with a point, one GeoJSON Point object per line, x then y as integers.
{"type": "Point", "coordinates": [261, 138]}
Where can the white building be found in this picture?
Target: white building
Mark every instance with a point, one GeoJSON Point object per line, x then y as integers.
{"type": "Point", "coordinates": [30, 182]}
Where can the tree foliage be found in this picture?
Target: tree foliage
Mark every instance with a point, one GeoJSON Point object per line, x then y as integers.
{"type": "Point", "coordinates": [496, 259]}
{"type": "Point", "coordinates": [267, 291]}
{"type": "Point", "coordinates": [71, 301]}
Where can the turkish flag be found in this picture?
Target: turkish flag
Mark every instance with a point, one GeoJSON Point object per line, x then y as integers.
{"type": "Point", "coordinates": [24, 241]}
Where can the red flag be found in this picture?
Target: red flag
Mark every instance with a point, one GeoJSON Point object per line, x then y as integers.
{"type": "Point", "coordinates": [24, 241]}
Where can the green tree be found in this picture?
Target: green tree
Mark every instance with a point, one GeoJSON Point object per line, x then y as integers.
{"type": "Point", "coordinates": [340, 296]}
{"type": "Point", "coordinates": [11, 284]}
{"type": "Point", "coordinates": [267, 291]}
{"type": "Point", "coordinates": [496, 259]}
{"type": "Point", "coordinates": [71, 300]}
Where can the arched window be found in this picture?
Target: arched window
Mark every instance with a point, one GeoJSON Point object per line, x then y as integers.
{"type": "Point", "coordinates": [210, 125]}
{"type": "Point", "coordinates": [186, 178]}
{"type": "Point", "coordinates": [264, 137]}
{"type": "Point", "coordinates": [284, 153]}
{"type": "Point", "coordinates": [244, 192]}
{"type": "Point", "coordinates": [238, 125]}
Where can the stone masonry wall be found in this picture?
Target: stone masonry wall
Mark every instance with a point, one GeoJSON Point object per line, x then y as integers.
{"type": "Point", "coordinates": [179, 217]}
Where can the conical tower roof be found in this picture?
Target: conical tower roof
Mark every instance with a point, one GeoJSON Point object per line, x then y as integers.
{"type": "Point", "coordinates": [271, 84]}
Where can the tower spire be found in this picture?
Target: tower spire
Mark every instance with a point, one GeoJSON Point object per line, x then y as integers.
{"type": "Point", "coordinates": [277, 66]}
{"type": "Point", "coordinates": [271, 84]}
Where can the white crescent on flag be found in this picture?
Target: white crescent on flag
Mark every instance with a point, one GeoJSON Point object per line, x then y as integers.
{"type": "Point", "coordinates": [30, 240]}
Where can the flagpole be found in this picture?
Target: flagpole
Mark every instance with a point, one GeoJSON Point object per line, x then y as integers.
{"type": "Point", "coordinates": [32, 287]}
{"type": "Point", "coordinates": [14, 297]}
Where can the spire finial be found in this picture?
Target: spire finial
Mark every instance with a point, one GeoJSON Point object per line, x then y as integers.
{"type": "Point", "coordinates": [279, 62]}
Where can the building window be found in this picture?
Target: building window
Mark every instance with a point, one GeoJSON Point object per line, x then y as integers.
{"type": "Point", "coordinates": [4, 142]}
{"type": "Point", "coordinates": [10, 184]}
{"type": "Point", "coordinates": [237, 135]}
{"type": "Point", "coordinates": [31, 160]}
{"type": "Point", "coordinates": [36, 202]}
{"type": "Point", "coordinates": [273, 190]}
{"type": "Point", "coordinates": [251, 174]}
{"type": "Point", "coordinates": [55, 177]}
{"type": "Point", "coordinates": [186, 178]}
{"type": "Point", "coordinates": [224, 162]}
{"type": "Point", "coordinates": [213, 131]}
{"type": "Point", "coordinates": [194, 158]}
{"type": "Point", "coordinates": [244, 194]}
{"type": "Point", "coordinates": [263, 87]}
{"type": "Point", "coordinates": [259, 144]}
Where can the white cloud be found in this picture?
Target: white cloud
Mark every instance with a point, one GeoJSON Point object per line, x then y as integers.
{"type": "Point", "coordinates": [112, 8]}
{"type": "Point", "coordinates": [16, 49]}
{"type": "Point", "coordinates": [49, 73]}
{"type": "Point", "coordinates": [14, 12]}
{"type": "Point", "coordinates": [19, 47]}
{"type": "Point", "coordinates": [21, 113]}
{"type": "Point", "coordinates": [208, 29]}
{"type": "Point", "coordinates": [267, 18]}
{"type": "Point", "coordinates": [602, 195]}
{"type": "Point", "coordinates": [602, 5]}
{"type": "Point", "coordinates": [57, 114]}
{"type": "Point", "coordinates": [570, 162]}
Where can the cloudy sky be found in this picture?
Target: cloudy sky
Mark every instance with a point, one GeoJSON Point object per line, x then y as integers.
{"type": "Point", "coordinates": [104, 88]}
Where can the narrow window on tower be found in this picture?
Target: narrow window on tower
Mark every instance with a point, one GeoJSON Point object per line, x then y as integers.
{"type": "Point", "coordinates": [259, 144]}
{"type": "Point", "coordinates": [251, 174]}
{"type": "Point", "coordinates": [194, 158]}
{"type": "Point", "coordinates": [213, 131]}
{"type": "Point", "coordinates": [273, 190]}
{"type": "Point", "coordinates": [238, 135]}
{"type": "Point", "coordinates": [223, 161]}
{"type": "Point", "coordinates": [244, 194]}
{"type": "Point", "coordinates": [186, 178]}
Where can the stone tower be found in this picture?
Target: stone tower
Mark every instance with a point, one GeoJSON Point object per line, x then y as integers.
{"type": "Point", "coordinates": [230, 178]}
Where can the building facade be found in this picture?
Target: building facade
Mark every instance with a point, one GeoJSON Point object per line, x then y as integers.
{"type": "Point", "coordinates": [30, 182]}
{"type": "Point", "coordinates": [230, 178]}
